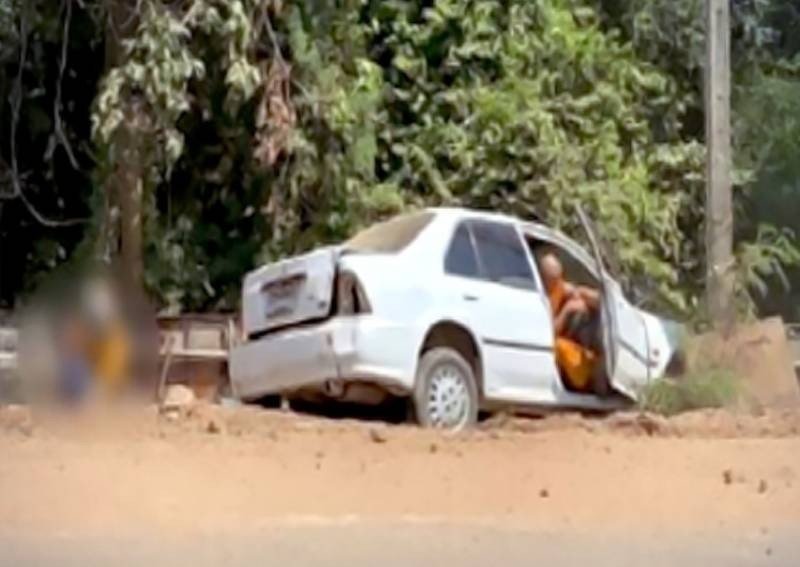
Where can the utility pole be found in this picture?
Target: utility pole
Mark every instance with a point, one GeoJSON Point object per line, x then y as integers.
{"type": "Point", "coordinates": [719, 201]}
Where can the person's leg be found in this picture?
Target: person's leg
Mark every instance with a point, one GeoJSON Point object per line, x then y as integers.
{"type": "Point", "coordinates": [577, 315]}
{"type": "Point", "coordinates": [575, 363]}
{"type": "Point", "coordinates": [590, 336]}
{"type": "Point", "coordinates": [588, 332]}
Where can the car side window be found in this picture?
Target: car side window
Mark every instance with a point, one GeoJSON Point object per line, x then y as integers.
{"type": "Point", "coordinates": [461, 259]}
{"type": "Point", "coordinates": [502, 254]}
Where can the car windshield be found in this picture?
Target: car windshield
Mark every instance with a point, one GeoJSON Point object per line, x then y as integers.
{"type": "Point", "coordinates": [389, 237]}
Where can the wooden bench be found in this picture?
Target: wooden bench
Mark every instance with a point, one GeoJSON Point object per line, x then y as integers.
{"type": "Point", "coordinates": [202, 341]}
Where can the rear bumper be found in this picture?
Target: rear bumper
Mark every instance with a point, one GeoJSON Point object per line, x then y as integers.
{"type": "Point", "coordinates": [357, 348]}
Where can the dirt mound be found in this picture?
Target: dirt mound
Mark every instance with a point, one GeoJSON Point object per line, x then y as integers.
{"type": "Point", "coordinates": [201, 417]}
{"type": "Point", "coordinates": [713, 423]}
{"type": "Point", "coordinates": [758, 353]}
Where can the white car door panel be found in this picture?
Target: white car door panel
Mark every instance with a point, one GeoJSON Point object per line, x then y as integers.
{"type": "Point", "coordinates": [632, 370]}
{"type": "Point", "coordinates": [625, 331]}
{"type": "Point", "coordinates": [516, 341]}
{"type": "Point", "coordinates": [509, 315]}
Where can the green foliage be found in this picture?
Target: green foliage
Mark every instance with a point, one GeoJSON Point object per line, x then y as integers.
{"type": "Point", "coordinates": [531, 107]}
{"type": "Point", "coordinates": [147, 94]}
{"type": "Point", "coordinates": [264, 128]}
{"type": "Point", "coordinates": [330, 185]}
{"type": "Point", "coordinates": [708, 388]}
{"type": "Point", "coordinates": [138, 114]}
{"type": "Point", "coordinates": [765, 47]}
{"type": "Point", "coordinates": [765, 257]}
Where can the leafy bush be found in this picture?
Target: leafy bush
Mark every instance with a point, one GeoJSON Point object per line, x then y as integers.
{"type": "Point", "coordinates": [710, 388]}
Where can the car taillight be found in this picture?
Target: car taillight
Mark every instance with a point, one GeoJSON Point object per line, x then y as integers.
{"type": "Point", "coordinates": [350, 296]}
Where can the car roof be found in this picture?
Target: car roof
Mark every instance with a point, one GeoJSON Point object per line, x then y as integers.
{"type": "Point", "coordinates": [477, 214]}
{"type": "Point", "coordinates": [458, 213]}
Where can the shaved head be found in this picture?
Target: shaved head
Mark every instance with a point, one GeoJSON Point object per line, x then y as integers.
{"type": "Point", "coordinates": [551, 268]}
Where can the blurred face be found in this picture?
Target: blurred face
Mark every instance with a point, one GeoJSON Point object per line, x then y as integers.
{"type": "Point", "coordinates": [98, 301]}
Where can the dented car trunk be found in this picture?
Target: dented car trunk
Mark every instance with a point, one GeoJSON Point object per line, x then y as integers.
{"type": "Point", "coordinates": [292, 291]}
{"type": "Point", "coordinates": [295, 312]}
{"type": "Point", "coordinates": [288, 295]}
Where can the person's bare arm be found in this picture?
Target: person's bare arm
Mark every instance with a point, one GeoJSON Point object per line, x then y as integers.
{"type": "Point", "coordinates": [589, 295]}
{"type": "Point", "coordinates": [574, 305]}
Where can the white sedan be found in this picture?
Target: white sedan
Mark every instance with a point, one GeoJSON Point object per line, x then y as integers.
{"type": "Point", "coordinates": [444, 307]}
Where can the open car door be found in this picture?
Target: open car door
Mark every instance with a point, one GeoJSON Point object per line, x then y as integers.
{"type": "Point", "coordinates": [625, 340]}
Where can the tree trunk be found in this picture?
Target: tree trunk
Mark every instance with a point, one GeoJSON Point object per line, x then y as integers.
{"type": "Point", "coordinates": [123, 223]}
{"type": "Point", "coordinates": [129, 186]}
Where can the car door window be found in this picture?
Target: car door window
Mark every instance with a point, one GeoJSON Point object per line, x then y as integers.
{"type": "Point", "coordinates": [461, 259]}
{"type": "Point", "coordinates": [502, 255]}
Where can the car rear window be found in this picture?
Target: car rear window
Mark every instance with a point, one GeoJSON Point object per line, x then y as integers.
{"type": "Point", "coordinates": [391, 236]}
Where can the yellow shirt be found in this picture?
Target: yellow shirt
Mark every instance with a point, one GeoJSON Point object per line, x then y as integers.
{"type": "Point", "coordinates": [111, 356]}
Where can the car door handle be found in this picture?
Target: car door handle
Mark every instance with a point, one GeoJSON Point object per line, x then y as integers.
{"type": "Point", "coordinates": [468, 297]}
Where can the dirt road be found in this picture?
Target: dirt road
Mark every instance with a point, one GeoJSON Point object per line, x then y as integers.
{"type": "Point", "coordinates": [242, 486]}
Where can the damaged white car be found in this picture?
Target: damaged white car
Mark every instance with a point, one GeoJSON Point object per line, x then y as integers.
{"type": "Point", "coordinates": [444, 307]}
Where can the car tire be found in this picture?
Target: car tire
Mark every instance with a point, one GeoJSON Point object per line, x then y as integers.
{"type": "Point", "coordinates": [270, 401]}
{"type": "Point", "coordinates": [445, 391]}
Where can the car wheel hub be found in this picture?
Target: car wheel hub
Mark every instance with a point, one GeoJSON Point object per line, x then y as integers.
{"type": "Point", "coordinates": [448, 398]}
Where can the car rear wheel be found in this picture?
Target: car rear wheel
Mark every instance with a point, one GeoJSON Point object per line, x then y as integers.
{"type": "Point", "coordinates": [445, 395]}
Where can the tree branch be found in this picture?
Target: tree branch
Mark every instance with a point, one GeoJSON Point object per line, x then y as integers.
{"type": "Point", "coordinates": [16, 105]}
{"type": "Point", "coordinates": [117, 26]}
{"type": "Point", "coordinates": [45, 221]}
{"type": "Point", "coordinates": [274, 40]}
{"type": "Point", "coordinates": [60, 135]}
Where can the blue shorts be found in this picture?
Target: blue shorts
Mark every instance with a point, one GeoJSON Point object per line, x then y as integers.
{"type": "Point", "coordinates": [75, 379]}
